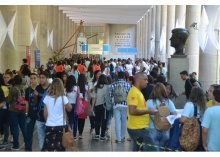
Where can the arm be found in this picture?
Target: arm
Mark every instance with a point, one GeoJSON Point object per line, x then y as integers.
{"type": "Point", "coordinates": [134, 111]}
{"type": "Point", "coordinates": [93, 102]}
{"type": "Point", "coordinates": [2, 104]}
{"type": "Point", "coordinates": [45, 112]}
{"type": "Point", "coordinates": [196, 84]}
{"type": "Point", "coordinates": [204, 137]}
{"type": "Point", "coordinates": [68, 107]}
{"type": "Point", "coordinates": [183, 119]}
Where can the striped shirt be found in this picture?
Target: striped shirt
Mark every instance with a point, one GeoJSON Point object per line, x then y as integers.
{"type": "Point", "coordinates": [112, 88]}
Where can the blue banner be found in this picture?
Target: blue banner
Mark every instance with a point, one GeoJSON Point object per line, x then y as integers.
{"type": "Point", "coordinates": [37, 58]}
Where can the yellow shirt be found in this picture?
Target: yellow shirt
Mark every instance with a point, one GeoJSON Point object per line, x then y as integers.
{"type": "Point", "coordinates": [210, 103]}
{"type": "Point", "coordinates": [136, 98]}
{"type": "Point", "coordinates": [5, 91]}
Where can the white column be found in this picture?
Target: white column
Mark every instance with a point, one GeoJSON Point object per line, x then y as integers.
{"type": "Point", "coordinates": [157, 33]}
{"type": "Point", "coordinates": [146, 35]}
{"type": "Point", "coordinates": [209, 61]}
{"type": "Point", "coordinates": [170, 25]}
{"type": "Point", "coordinates": [164, 26]}
{"type": "Point", "coordinates": [193, 13]}
{"type": "Point", "coordinates": [153, 31]}
{"type": "Point", "coordinates": [180, 15]}
{"type": "Point", "coordinates": [138, 38]}
{"type": "Point", "coordinates": [149, 34]}
{"type": "Point", "coordinates": [143, 36]}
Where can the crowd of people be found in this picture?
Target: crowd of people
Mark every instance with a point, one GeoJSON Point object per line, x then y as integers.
{"type": "Point", "coordinates": [127, 90]}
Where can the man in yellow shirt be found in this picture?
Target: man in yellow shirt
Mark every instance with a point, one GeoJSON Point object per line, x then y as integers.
{"type": "Point", "coordinates": [138, 114]}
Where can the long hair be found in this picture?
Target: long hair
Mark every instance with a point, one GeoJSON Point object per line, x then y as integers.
{"type": "Point", "coordinates": [197, 96]}
{"type": "Point", "coordinates": [82, 83]}
{"type": "Point", "coordinates": [90, 69]}
{"type": "Point", "coordinates": [94, 77]}
{"type": "Point", "coordinates": [101, 82]}
{"type": "Point", "coordinates": [70, 83]}
{"type": "Point", "coordinates": [159, 92]}
{"type": "Point", "coordinates": [56, 88]}
{"type": "Point", "coordinates": [2, 82]}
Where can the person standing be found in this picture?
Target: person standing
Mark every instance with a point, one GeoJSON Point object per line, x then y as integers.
{"type": "Point", "coordinates": [189, 83]}
{"type": "Point", "coordinates": [210, 124]}
{"type": "Point", "coordinates": [53, 114]}
{"type": "Point", "coordinates": [119, 91]}
{"type": "Point", "coordinates": [39, 94]}
{"type": "Point", "coordinates": [138, 115]}
{"type": "Point", "coordinates": [31, 110]}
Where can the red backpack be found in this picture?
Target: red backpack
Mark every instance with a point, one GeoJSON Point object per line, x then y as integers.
{"type": "Point", "coordinates": [20, 103]}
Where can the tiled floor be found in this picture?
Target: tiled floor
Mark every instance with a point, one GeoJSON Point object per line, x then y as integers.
{"type": "Point", "coordinates": [87, 143]}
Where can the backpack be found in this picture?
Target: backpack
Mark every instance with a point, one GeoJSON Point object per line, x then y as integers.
{"type": "Point", "coordinates": [190, 135]}
{"type": "Point", "coordinates": [111, 67]}
{"type": "Point", "coordinates": [120, 94]}
{"type": "Point", "coordinates": [160, 120]}
{"type": "Point", "coordinates": [133, 70]}
{"type": "Point", "coordinates": [20, 103]}
{"type": "Point", "coordinates": [79, 106]}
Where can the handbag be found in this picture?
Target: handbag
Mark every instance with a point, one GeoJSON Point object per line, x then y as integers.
{"type": "Point", "coordinates": [20, 104]}
{"type": "Point", "coordinates": [67, 137]}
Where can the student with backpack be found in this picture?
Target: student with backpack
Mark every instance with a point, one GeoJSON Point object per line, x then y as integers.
{"type": "Point", "coordinates": [119, 91]}
{"type": "Point", "coordinates": [17, 117]}
{"type": "Point", "coordinates": [197, 101]}
{"type": "Point", "coordinates": [159, 125]}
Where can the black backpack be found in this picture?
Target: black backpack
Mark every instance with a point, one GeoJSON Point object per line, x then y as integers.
{"type": "Point", "coordinates": [111, 67]}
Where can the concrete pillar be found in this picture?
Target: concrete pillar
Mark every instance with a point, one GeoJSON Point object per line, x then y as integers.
{"type": "Point", "coordinates": [149, 34]}
{"type": "Point", "coordinates": [157, 32]}
{"type": "Point", "coordinates": [138, 39]}
{"type": "Point", "coordinates": [180, 15]}
{"type": "Point", "coordinates": [153, 16]}
{"type": "Point", "coordinates": [10, 56]}
{"type": "Point", "coordinates": [55, 29]}
{"type": "Point", "coordinates": [143, 36]}
{"type": "Point", "coordinates": [193, 13]}
{"type": "Point", "coordinates": [209, 61]}
{"type": "Point", "coordinates": [170, 25]}
{"type": "Point", "coordinates": [146, 35]}
{"type": "Point", "coordinates": [163, 26]}
{"type": "Point", "coordinates": [106, 34]}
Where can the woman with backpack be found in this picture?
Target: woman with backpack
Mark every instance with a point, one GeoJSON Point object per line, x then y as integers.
{"type": "Point", "coordinates": [159, 98]}
{"type": "Point", "coordinates": [197, 100]}
{"type": "Point", "coordinates": [17, 116]}
{"type": "Point", "coordinates": [71, 94]}
{"type": "Point", "coordinates": [100, 99]}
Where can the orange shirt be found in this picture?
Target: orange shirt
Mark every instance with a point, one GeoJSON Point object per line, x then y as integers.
{"type": "Point", "coordinates": [59, 68]}
{"type": "Point", "coordinates": [81, 68]}
{"type": "Point", "coordinates": [96, 67]}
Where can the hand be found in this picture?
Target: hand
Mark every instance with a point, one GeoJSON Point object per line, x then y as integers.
{"type": "Point", "coordinates": [205, 147]}
{"type": "Point", "coordinates": [35, 93]}
{"type": "Point", "coordinates": [152, 111]}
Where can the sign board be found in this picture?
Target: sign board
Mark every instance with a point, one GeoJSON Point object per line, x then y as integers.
{"type": "Point", "coordinates": [28, 55]}
{"type": "Point", "coordinates": [80, 41]}
{"type": "Point", "coordinates": [95, 49]}
{"type": "Point", "coordinates": [37, 58]}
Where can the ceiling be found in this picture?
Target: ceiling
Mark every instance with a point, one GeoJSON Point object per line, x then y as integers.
{"type": "Point", "coordinates": [101, 14]}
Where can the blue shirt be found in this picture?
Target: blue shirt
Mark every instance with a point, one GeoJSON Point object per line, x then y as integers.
{"type": "Point", "coordinates": [112, 88]}
{"type": "Point", "coordinates": [188, 111]}
{"type": "Point", "coordinates": [211, 120]}
{"type": "Point", "coordinates": [152, 105]}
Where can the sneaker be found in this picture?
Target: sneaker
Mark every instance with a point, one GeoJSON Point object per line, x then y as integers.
{"type": "Point", "coordinates": [75, 138]}
{"type": "Point", "coordinates": [3, 144]}
{"type": "Point", "coordinates": [96, 137]}
{"type": "Point", "coordinates": [107, 134]}
{"type": "Point", "coordinates": [80, 137]}
{"type": "Point", "coordinates": [116, 141]}
{"type": "Point", "coordinates": [122, 140]}
{"type": "Point", "coordinates": [129, 139]}
{"type": "Point", "coordinates": [2, 148]}
{"type": "Point", "coordinates": [13, 148]}
{"type": "Point", "coordinates": [102, 139]}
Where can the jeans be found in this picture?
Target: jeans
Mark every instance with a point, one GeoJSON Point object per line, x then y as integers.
{"type": "Point", "coordinates": [73, 119]}
{"type": "Point", "coordinates": [109, 120]}
{"type": "Point", "coordinates": [100, 120]}
{"type": "Point", "coordinates": [144, 135]}
{"type": "Point", "coordinates": [40, 133]}
{"type": "Point", "coordinates": [30, 131]}
{"type": "Point", "coordinates": [160, 138]}
{"type": "Point", "coordinates": [4, 116]}
{"type": "Point", "coordinates": [81, 124]}
{"type": "Point", "coordinates": [120, 115]}
{"type": "Point", "coordinates": [18, 119]}
{"type": "Point", "coordinates": [112, 75]}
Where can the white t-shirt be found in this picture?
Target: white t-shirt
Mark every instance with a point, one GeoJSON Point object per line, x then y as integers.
{"type": "Point", "coordinates": [71, 96]}
{"type": "Point", "coordinates": [55, 110]}
{"type": "Point", "coordinates": [86, 93]}
{"type": "Point", "coordinates": [129, 68]}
